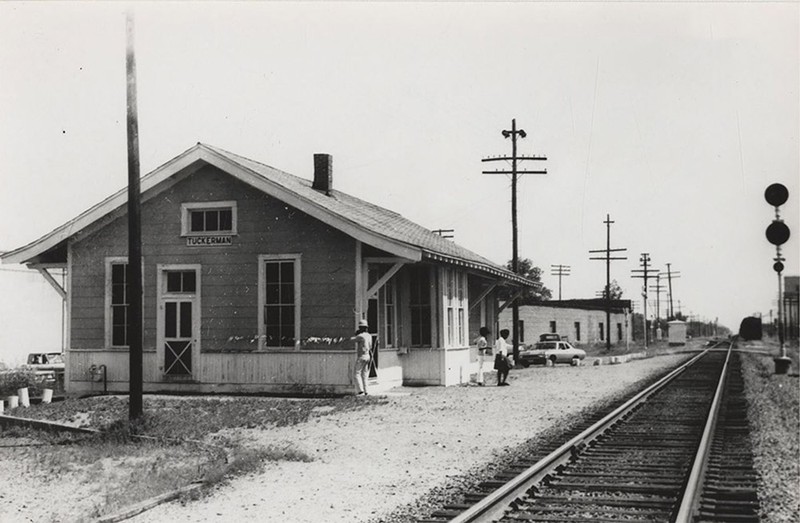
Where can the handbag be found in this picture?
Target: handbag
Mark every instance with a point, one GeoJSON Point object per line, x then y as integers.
{"type": "Point", "coordinates": [499, 361]}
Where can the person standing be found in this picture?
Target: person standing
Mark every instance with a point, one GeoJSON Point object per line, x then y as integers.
{"type": "Point", "coordinates": [363, 341]}
{"type": "Point", "coordinates": [483, 351]}
{"type": "Point", "coordinates": [501, 358]}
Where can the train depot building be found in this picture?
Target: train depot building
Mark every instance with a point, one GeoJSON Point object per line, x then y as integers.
{"type": "Point", "coordinates": [254, 281]}
{"type": "Point", "coordinates": [578, 321]}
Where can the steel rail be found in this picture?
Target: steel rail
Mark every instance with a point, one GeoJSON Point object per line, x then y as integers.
{"type": "Point", "coordinates": [694, 485]}
{"type": "Point", "coordinates": [495, 504]}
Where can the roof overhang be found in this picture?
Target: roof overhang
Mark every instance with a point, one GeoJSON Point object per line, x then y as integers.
{"type": "Point", "coordinates": [193, 159]}
{"type": "Point", "coordinates": [505, 275]}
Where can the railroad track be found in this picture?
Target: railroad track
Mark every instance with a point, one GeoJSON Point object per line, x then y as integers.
{"type": "Point", "coordinates": [677, 451]}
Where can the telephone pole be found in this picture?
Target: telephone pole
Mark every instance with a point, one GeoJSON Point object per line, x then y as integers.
{"type": "Point", "coordinates": [134, 235]}
{"type": "Point", "coordinates": [645, 273]}
{"type": "Point", "coordinates": [559, 270]}
{"type": "Point", "coordinates": [670, 276]}
{"type": "Point", "coordinates": [513, 134]}
{"type": "Point", "coordinates": [608, 250]}
{"type": "Point", "coordinates": [658, 289]}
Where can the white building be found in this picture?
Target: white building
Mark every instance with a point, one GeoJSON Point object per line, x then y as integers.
{"type": "Point", "coordinates": [579, 321]}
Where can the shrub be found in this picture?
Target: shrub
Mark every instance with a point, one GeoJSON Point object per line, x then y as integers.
{"type": "Point", "coordinates": [14, 379]}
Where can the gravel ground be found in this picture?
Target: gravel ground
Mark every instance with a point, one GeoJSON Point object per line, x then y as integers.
{"type": "Point", "coordinates": [774, 414]}
{"type": "Point", "coordinates": [390, 462]}
{"type": "Point", "coordinates": [370, 466]}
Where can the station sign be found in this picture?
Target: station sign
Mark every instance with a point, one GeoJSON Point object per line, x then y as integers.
{"type": "Point", "coordinates": [209, 241]}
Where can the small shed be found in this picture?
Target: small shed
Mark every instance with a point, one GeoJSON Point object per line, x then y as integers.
{"type": "Point", "coordinates": [677, 332]}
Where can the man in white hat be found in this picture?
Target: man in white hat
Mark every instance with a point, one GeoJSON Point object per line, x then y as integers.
{"type": "Point", "coordinates": [363, 346]}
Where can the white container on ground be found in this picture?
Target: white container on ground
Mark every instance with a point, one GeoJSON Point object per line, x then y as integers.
{"type": "Point", "coordinates": [47, 395]}
{"type": "Point", "coordinates": [24, 400]}
{"type": "Point", "coordinates": [13, 402]}
{"type": "Point", "coordinates": [2, 407]}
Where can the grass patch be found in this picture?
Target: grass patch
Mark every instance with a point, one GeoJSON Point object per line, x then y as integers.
{"type": "Point", "coordinates": [177, 442]}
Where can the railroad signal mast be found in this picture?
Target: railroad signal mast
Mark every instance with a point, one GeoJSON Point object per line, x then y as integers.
{"type": "Point", "coordinates": [514, 172]}
{"type": "Point", "coordinates": [608, 258]}
{"type": "Point", "coordinates": [559, 270]}
{"type": "Point", "coordinates": [777, 234]}
{"type": "Point", "coordinates": [645, 273]}
{"type": "Point", "coordinates": [670, 275]}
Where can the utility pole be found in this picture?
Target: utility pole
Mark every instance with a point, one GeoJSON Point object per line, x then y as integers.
{"type": "Point", "coordinates": [608, 250]}
{"type": "Point", "coordinates": [671, 275]}
{"type": "Point", "coordinates": [658, 289]}
{"type": "Point", "coordinates": [645, 273]}
{"type": "Point", "coordinates": [513, 133]}
{"type": "Point", "coordinates": [134, 235]}
{"type": "Point", "coordinates": [559, 270]}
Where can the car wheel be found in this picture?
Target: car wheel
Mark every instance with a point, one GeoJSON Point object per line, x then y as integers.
{"type": "Point", "coordinates": [525, 363]}
{"type": "Point", "coordinates": [553, 359]}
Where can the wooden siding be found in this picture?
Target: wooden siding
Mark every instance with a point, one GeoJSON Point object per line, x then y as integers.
{"type": "Point", "coordinates": [229, 273]}
{"type": "Point", "coordinates": [423, 367]}
{"type": "Point", "coordinates": [256, 372]}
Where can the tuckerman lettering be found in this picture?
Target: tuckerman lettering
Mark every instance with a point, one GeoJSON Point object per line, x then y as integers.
{"type": "Point", "coordinates": [196, 241]}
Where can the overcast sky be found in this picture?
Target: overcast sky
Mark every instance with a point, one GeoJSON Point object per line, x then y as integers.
{"type": "Point", "coordinates": [671, 117]}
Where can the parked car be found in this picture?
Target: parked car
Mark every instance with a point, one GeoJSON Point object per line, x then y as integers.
{"type": "Point", "coordinates": [555, 351]}
{"type": "Point", "coordinates": [549, 336]}
{"type": "Point", "coordinates": [49, 367]}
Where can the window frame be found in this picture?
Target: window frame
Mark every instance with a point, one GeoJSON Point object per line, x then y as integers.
{"type": "Point", "coordinates": [429, 305]}
{"type": "Point", "coordinates": [108, 334]}
{"type": "Point", "coordinates": [188, 207]}
{"type": "Point", "coordinates": [262, 299]}
{"type": "Point", "coordinates": [389, 307]}
{"type": "Point", "coordinates": [455, 304]}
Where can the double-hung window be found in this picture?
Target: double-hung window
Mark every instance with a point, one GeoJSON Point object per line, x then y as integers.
{"type": "Point", "coordinates": [455, 305]}
{"type": "Point", "coordinates": [117, 302]}
{"type": "Point", "coordinates": [420, 306]}
{"type": "Point", "coordinates": [279, 301]}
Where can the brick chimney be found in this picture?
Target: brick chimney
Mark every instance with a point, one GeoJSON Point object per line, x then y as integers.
{"type": "Point", "coordinates": [323, 173]}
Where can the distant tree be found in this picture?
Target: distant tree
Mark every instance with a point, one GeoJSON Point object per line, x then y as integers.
{"type": "Point", "coordinates": [529, 296]}
{"type": "Point", "coordinates": [615, 291]}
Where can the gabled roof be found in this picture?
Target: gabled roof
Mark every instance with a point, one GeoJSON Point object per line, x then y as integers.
{"type": "Point", "coordinates": [369, 223]}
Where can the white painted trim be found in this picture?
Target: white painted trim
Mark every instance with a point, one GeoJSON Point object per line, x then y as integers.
{"type": "Point", "coordinates": [107, 316]}
{"type": "Point", "coordinates": [262, 298]}
{"type": "Point", "coordinates": [162, 295]}
{"type": "Point", "coordinates": [53, 283]}
{"type": "Point", "coordinates": [359, 297]}
{"type": "Point", "coordinates": [208, 206]}
{"type": "Point", "coordinates": [372, 291]}
{"type": "Point", "coordinates": [68, 321]}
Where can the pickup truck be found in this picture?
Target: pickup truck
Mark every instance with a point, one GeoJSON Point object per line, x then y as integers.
{"type": "Point", "coordinates": [49, 367]}
{"type": "Point", "coordinates": [551, 350]}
